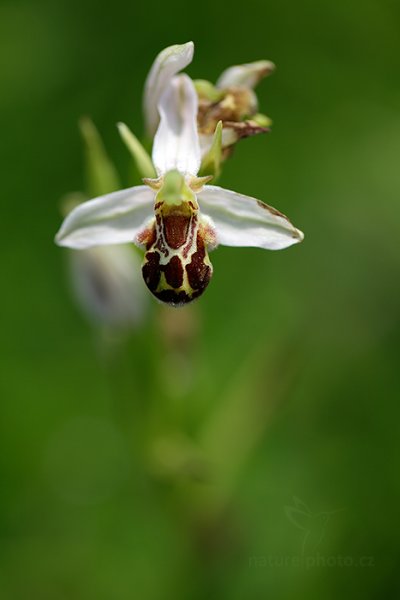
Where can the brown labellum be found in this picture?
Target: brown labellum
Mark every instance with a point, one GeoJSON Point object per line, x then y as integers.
{"type": "Point", "coordinates": [176, 266]}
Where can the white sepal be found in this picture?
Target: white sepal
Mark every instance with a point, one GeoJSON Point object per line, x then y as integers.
{"type": "Point", "coordinates": [247, 75]}
{"type": "Point", "coordinates": [244, 221]}
{"type": "Point", "coordinates": [176, 143]}
{"type": "Point", "coordinates": [111, 219]}
{"type": "Point", "coordinates": [168, 63]}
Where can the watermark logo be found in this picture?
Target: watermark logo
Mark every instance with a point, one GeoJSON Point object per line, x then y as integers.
{"type": "Point", "coordinates": [312, 524]}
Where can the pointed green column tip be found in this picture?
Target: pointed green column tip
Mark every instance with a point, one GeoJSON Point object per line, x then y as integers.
{"type": "Point", "coordinates": [174, 189]}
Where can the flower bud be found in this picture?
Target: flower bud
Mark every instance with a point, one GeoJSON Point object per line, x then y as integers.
{"type": "Point", "coordinates": [232, 101]}
{"type": "Point", "coordinates": [106, 283]}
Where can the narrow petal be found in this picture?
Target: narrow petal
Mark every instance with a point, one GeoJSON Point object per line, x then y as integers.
{"type": "Point", "coordinates": [101, 174]}
{"type": "Point", "coordinates": [244, 221]}
{"type": "Point", "coordinates": [247, 75]}
{"type": "Point", "coordinates": [176, 144]}
{"type": "Point", "coordinates": [168, 63]}
{"type": "Point", "coordinates": [141, 158]}
{"type": "Point", "coordinates": [112, 219]}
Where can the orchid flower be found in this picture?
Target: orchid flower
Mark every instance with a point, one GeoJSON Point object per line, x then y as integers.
{"type": "Point", "coordinates": [233, 101]}
{"type": "Point", "coordinates": [177, 218]}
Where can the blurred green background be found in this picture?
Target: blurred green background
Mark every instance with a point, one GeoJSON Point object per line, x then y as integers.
{"type": "Point", "coordinates": [244, 447]}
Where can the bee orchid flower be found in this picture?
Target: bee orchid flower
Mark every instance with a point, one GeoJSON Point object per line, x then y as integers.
{"type": "Point", "coordinates": [233, 101]}
{"type": "Point", "coordinates": [177, 217]}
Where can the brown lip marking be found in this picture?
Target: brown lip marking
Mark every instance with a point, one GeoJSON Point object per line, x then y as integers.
{"type": "Point", "coordinates": [160, 238]}
{"type": "Point", "coordinates": [173, 297]}
{"type": "Point", "coordinates": [199, 273]}
{"type": "Point", "coordinates": [151, 270]}
{"type": "Point", "coordinates": [174, 272]}
{"type": "Point", "coordinates": [176, 228]}
{"type": "Point", "coordinates": [193, 224]}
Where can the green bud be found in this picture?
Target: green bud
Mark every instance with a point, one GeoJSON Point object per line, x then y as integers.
{"type": "Point", "coordinates": [206, 90]}
{"type": "Point", "coordinates": [261, 120]}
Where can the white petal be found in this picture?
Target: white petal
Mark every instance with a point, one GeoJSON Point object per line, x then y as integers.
{"type": "Point", "coordinates": [247, 75]}
{"type": "Point", "coordinates": [112, 219]}
{"type": "Point", "coordinates": [167, 64]}
{"type": "Point", "coordinates": [176, 144]}
{"type": "Point", "coordinates": [243, 221]}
